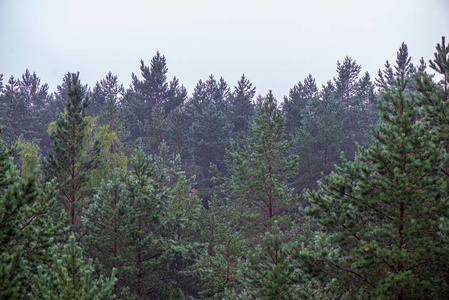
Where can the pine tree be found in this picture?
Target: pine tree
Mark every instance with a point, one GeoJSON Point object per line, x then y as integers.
{"type": "Point", "coordinates": [367, 112]}
{"type": "Point", "coordinates": [269, 271]}
{"type": "Point", "coordinates": [71, 278]}
{"type": "Point", "coordinates": [381, 213]}
{"type": "Point", "coordinates": [357, 95]}
{"type": "Point", "coordinates": [162, 228]}
{"type": "Point", "coordinates": [258, 174]}
{"type": "Point", "coordinates": [145, 94]}
{"type": "Point", "coordinates": [176, 132]}
{"type": "Point", "coordinates": [14, 113]}
{"type": "Point", "coordinates": [403, 66]}
{"type": "Point", "coordinates": [26, 230]}
{"type": "Point", "coordinates": [346, 83]}
{"type": "Point", "coordinates": [294, 105]}
{"type": "Point", "coordinates": [74, 155]}
{"type": "Point", "coordinates": [242, 107]}
{"type": "Point", "coordinates": [156, 129]}
{"type": "Point", "coordinates": [220, 266]}
{"type": "Point", "coordinates": [209, 132]}
{"type": "Point", "coordinates": [60, 97]}
{"type": "Point", "coordinates": [106, 94]}
{"type": "Point", "coordinates": [177, 95]}
{"type": "Point", "coordinates": [435, 96]}
{"type": "Point", "coordinates": [37, 102]}
{"type": "Point", "coordinates": [107, 221]}
{"type": "Point", "coordinates": [318, 141]}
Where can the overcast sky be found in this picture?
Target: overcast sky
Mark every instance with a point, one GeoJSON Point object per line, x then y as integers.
{"type": "Point", "coordinates": [274, 43]}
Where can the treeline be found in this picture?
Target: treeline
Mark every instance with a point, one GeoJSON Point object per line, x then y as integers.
{"type": "Point", "coordinates": [149, 193]}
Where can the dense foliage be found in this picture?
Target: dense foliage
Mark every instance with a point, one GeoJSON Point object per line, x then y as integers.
{"type": "Point", "coordinates": [149, 193]}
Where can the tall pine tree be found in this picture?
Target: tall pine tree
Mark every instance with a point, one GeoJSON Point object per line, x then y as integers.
{"type": "Point", "coordinates": [259, 172]}
{"type": "Point", "coordinates": [382, 214]}
{"type": "Point", "coordinates": [74, 154]}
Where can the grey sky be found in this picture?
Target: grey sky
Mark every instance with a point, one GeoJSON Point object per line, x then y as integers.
{"type": "Point", "coordinates": [274, 43]}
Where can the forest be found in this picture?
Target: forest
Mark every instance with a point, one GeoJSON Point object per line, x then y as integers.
{"type": "Point", "coordinates": [338, 192]}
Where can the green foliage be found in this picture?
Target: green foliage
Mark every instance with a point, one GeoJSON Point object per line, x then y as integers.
{"type": "Point", "coordinates": [27, 234]}
{"type": "Point", "coordinates": [259, 172]}
{"type": "Point", "coordinates": [104, 99]}
{"type": "Point", "coordinates": [155, 128]}
{"type": "Point", "coordinates": [377, 227]}
{"type": "Point", "coordinates": [296, 102]}
{"type": "Point", "coordinates": [356, 94]}
{"type": "Point", "coordinates": [71, 278]}
{"type": "Point", "coordinates": [318, 141]}
{"type": "Point", "coordinates": [434, 96]}
{"type": "Point", "coordinates": [110, 157]}
{"type": "Point", "coordinates": [255, 196]}
{"type": "Point", "coordinates": [107, 221]}
{"type": "Point", "coordinates": [28, 157]}
{"type": "Point", "coordinates": [145, 94]}
{"type": "Point", "coordinates": [145, 224]}
{"type": "Point", "coordinates": [74, 156]}
{"type": "Point", "coordinates": [346, 83]}
{"type": "Point", "coordinates": [324, 123]}
{"type": "Point", "coordinates": [242, 108]}
{"type": "Point", "coordinates": [403, 66]}
{"type": "Point", "coordinates": [13, 112]}
{"type": "Point", "coordinates": [209, 132]}
{"type": "Point", "coordinates": [219, 267]}
{"type": "Point", "coordinates": [169, 224]}
{"type": "Point", "coordinates": [24, 110]}
{"type": "Point", "coordinates": [270, 272]}
{"type": "Point", "coordinates": [176, 132]}
{"type": "Point", "coordinates": [381, 213]}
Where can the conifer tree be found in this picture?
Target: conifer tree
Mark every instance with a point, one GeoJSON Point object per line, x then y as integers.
{"type": "Point", "coordinates": [435, 96]}
{"type": "Point", "coordinates": [258, 174]}
{"type": "Point", "coordinates": [155, 130]}
{"type": "Point", "coordinates": [294, 105]}
{"type": "Point", "coordinates": [220, 266]}
{"type": "Point", "coordinates": [152, 90]}
{"type": "Point", "coordinates": [144, 248]}
{"type": "Point", "coordinates": [107, 221]}
{"type": "Point", "coordinates": [74, 155]}
{"type": "Point", "coordinates": [60, 97]}
{"type": "Point", "coordinates": [382, 213]}
{"type": "Point", "coordinates": [70, 277]}
{"type": "Point", "coordinates": [242, 107]}
{"type": "Point", "coordinates": [346, 83]}
{"type": "Point", "coordinates": [13, 113]}
{"type": "Point", "coordinates": [357, 96]}
{"type": "Point", "coordinates": [161, 231]}
{"type": "Point", "coordinates": [403, 66]}
{"type": "Point", "coordinates": [269, 271]}
{"type": "Point", "coordinates": [36, 98]}
{"type": "Point", "coordinates": [209, 132]}
{"type": "Point", "coordinates": [27, 233]}
{"type": "Point", "coordinates": [177, 130]}
{"type": "Point", "coordinates": [318, 141]}
{"type": "Point", "coordinates": [105, 94]}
